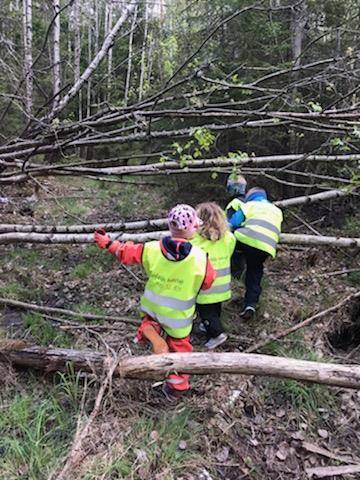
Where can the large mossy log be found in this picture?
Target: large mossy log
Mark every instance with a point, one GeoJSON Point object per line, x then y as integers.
{"type": "Point", "coordinates": [156, 366]}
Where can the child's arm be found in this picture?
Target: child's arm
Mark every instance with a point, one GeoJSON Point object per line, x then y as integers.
{"type": "Point", "coordinates": [236, 219]}
{"type": "Point", "coordinates": [127, 253]}
{"type": "Point", "coordinates": [210, 276]}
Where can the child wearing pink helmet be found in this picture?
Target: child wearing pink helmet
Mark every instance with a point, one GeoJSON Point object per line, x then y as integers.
{"type": "Point", "coordinates": [176, 272]}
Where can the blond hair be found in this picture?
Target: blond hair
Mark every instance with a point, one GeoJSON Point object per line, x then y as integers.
{"type": "Point", "coordinates": [214, 224]}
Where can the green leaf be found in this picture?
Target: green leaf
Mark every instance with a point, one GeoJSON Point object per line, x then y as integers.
{"type": "Point", "coordinates": [315, 107]}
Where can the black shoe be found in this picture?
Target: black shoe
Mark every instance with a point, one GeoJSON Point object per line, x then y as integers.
{"type": "Point", "coordinates": [170, 394]}
{"type": "Point", "coordinates": [248, 313]}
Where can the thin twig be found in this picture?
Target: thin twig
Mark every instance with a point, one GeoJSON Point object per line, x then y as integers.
{"type": "Point", "coordinates": [298, 326]}
{"type": "Point", "coordinates": [76, 453]}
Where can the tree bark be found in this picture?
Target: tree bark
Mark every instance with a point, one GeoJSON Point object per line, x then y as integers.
{"type": "Point", "coordinates": [77, 51]}
{"type": "Point", "coordinates": [89, 228]}
{"type": "Point", "coordinates": [67, 313]}
{"type": "Point", "coordinates": [56, 53]}
{"type": "Point", "coordinates": [128, 72]}
{"type": "Point", "coordinates": [28, 73]}
{"type": "Point", "coordinates": [143, 51]}
{"type": "Point", "coordinates": [108, 27]}
{"type": "Point", "coordinates": [59, 238]}
{"type": "Point", "coordinates": [155, 366]}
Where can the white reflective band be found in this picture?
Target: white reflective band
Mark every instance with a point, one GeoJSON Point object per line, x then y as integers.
{"type": "Point", "coordinates": [170, 302]}
{"type": "Point", "coordinates": [222, 272]}
{"type": "Point", "coordinates": [175, 381]}
{"type": "Point", "coordinates": [263, 223]}
{"type": "Point", "coordinates": [217, 289]}
{"type": "Point", "coordinates": [257, 236]}
{"type": "Point", "coordinates": [167, 321]}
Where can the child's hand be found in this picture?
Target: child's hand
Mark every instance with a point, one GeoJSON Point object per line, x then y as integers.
{"type": "Point", "coordinates": [102, 239]}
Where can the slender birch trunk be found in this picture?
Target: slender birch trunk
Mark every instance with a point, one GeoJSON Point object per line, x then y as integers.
{"type": "Point", "coordinates": [88, 94]}
{"type": "Point", "coordinates": [74, 90]}
{"type": "Point", "coordinates": [110, 52]}
{"type": "Point", "coordinates": [297, 28]}
{"type": "Point", "coordinates": [28, 73]}
{"type": "Point", "coordinates": [56, 52]}
{"type": "Point", "coordinates": [77, 50]}
{"type": "Point", "coordinates": [128, 73]}
{"type": "Point", "coordinates": [143, 51]}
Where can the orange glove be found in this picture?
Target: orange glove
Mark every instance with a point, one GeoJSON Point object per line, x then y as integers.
{"type": "Point", "coordinates": [158, 343]}
{"type": "Point", "coordinates": [102, 239]}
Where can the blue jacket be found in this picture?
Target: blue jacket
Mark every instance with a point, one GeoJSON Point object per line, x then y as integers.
{"type": "Point", "coordinates": [238, 217]}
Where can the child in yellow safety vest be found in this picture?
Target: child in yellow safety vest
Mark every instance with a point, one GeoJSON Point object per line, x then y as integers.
{"type": "Point", "coordinates": [215, 238]}
{"type": "Point", "coordinates": [176, 272]}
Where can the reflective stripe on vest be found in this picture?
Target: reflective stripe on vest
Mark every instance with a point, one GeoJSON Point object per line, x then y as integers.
{"type": "Point", "coordinates": [221, 272]}
{"type": "Point", "coordinates": [218, 289]}
{"type": "Point", "coordinates": [263, 223]}
{"type": "Point", "coordinates": [175, 381]}
{"type": "Point", "coordinates": [257, 236]}
{"type": "Point", "coordinates": [262, 226]}
{"type": "Point", "coordinates": [172, 287]}
{"type": "Point", "coordinates": [219, 252]}
{"type": "Point", "coordinates": [167, 321]}
{"type": "Point", "coordinates": [170, 302]}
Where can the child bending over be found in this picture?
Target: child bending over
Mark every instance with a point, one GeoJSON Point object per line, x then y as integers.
{"type": "Point", "coordinates": [218, 242]}
{"type": "Point", "coordinates": [176, 272]}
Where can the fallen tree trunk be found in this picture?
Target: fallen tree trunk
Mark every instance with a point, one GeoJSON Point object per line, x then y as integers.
{"type": "Point", "coordinates": [156, 366]}
{"type": "Point", "coordinates": [51, 238]}
{"type": "Point", "coordinates": [85, 228]}
{"type": "Point", "coordinates": [158, 222]}
{"type": "Point", "coordinates": [61, 311]}
{"type": "Point", "coordinates": [290, 238]}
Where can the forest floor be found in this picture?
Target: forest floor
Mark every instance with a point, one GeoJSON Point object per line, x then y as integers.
{"type": "Point", "coordinates": [229, 426]}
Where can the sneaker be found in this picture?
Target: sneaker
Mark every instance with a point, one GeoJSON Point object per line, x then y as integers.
{"type": "Point", "coordinates": [248, 313]}
{"type": "Point", "coordinates": [170, 394]}
{"type": "Point", "coordinates": [216, 341]}
{"type": "Point", "coordinates": [202, 327]}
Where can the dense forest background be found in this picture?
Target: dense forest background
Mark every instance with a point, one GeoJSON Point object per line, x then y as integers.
{"type": "Point", "coordinates": [112, 111]}
{"type": "Point", "coordinates": [112, 77]}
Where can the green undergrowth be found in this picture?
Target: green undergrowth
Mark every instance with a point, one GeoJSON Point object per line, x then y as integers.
{"type": "Point", "coordinates": [307, 398]}
{"type": "Point", "coordinates": [86, 308]}
{"type": "Point", "coordinates": [163, 447]}
{"type": "Point", "coordinates": [13, 290]}
{"type": "Point", "coordinates": [37, 427]}
{"type": "Point", "coordinates": [352, 226]}
{"type": "Point", "coordinates": [44, 333]}
{"type": "Point", "coordinates": [354, 278]}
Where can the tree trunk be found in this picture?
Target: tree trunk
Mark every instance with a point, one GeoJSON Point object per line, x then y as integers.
{"type": "Point", "coordinates": [128, 73]}
{"type": "Point", "coordinates": [74, 90]}
{"type": "Point", "coordinates": [109, 15]}
{"type": "Point", "coordinates": [143, 52]}
{"type": "Point", "coordinates": [56, 53]}
{"type": "Point", "coordinates": [28, 73]}
{"type": "Point", "coordinates": [88, 95]}
{"type": "Point", "coordinates": [156, 366]}
{"type": "Point", "coordinates": [77, 51]}
{"type": "Point", "coordinates": [297, 26]}
{"type": "Point", "coordinates": [54, 238]}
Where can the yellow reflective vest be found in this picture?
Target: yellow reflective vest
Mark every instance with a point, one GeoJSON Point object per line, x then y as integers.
{"type": "Point", "coordinates": [262, 226]}
{"type": "Point", "coordinates": [172, 287]}
{"type": "Point", "coordinates": [219, 253]}
{"type": "Point", "coordinates": [235, 204]}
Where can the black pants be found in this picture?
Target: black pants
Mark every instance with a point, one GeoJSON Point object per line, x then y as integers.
{"type": "Point", "coordinates": [253, 259]}
{"type": "Point", "coordinates": [210, 316]}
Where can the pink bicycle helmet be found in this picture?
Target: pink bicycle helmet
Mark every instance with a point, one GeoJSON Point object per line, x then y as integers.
{"type": "Point", "coordinates": [183, 221]}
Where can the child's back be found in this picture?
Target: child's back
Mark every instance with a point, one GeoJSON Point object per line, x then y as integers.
{"type": "Point", "coordinates": [218, 242]}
